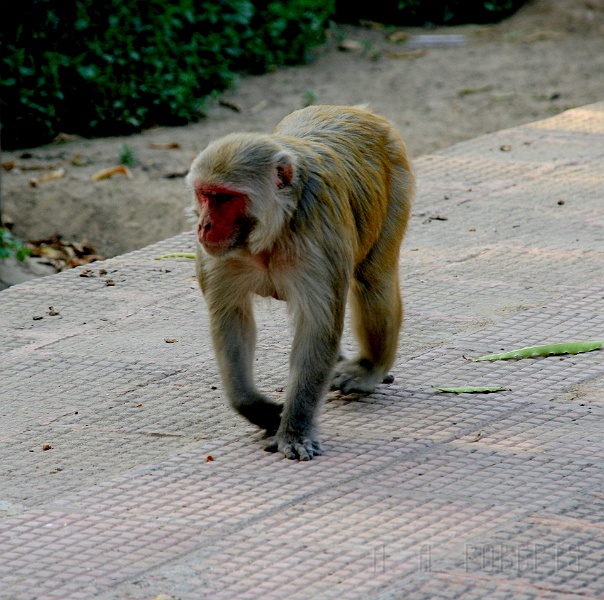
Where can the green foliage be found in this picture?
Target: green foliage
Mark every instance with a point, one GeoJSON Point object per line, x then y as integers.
{"type": "Point", "coordinates": [419, 12]}
{"type": "Point", "coordinates": [127, 155]}
{"type": "Point", "coordinates": [11, 246]}
{"type": "Point", "coordinates": [308, 98]}
{"type": "Point", "coordinates": [108, 67]}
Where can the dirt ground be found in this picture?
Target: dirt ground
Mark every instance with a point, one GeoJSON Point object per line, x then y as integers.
{"type": "Point", "coordinates": [546, 58]}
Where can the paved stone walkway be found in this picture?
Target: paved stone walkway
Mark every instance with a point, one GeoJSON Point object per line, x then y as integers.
{"type": "Point", "coordinates": [149, 487]}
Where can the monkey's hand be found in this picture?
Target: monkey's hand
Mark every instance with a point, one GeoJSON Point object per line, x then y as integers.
{"type": "Point", "coordinates": [301, 447]}
{"type": "Point", "coordinates": [358, 376]}
{"type": "Point", "coordinates": [260, 411]}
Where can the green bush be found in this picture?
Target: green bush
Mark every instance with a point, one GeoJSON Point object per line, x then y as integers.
{"type": "Point", "coordinates": [11, 246]}
{"type": "Point", "coordinates": [420, 12]}
{"type": "Point", "coordinates": [110, 67]}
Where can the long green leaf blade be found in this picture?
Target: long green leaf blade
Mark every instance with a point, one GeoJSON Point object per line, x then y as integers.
{"type": "Point", "coordinates": [470, 389]}
{"type": "Point", "coordinates": [546, 350]}
{"type": "Point", "coordinates": [176, 255]}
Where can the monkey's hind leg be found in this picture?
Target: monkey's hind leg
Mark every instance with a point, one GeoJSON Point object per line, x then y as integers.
{"type": "Point", "coordinates": [375, 299]}
{"type": "Point", "coordinates": [377, 312]}
{"type": "Point", "coordinates": [376, 308]}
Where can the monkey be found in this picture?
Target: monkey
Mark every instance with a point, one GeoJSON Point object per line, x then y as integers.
{"type": "Point", "coordinates": [312, 214]}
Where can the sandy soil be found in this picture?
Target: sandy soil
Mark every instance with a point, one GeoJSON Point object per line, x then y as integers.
{"type": "Point", "coordinates": [546, 58]}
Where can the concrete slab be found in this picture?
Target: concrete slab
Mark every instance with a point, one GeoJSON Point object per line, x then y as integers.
{"type": "Point", "coordinates": [150, 487]}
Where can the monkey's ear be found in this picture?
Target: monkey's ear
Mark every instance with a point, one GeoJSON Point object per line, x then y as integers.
{"type": "Point", "coordinates": [284, 169]}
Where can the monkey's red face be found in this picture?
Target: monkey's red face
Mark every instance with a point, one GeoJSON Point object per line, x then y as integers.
{"type": "Point", "coordinates": [223, 220]}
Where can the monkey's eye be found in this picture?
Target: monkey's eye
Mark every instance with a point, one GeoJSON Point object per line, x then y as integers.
{"type": "Point", "coordinates": [222, 198]}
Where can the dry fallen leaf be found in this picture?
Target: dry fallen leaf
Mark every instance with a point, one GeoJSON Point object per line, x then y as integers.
{"type": "Point", "coordinates": [176, 174]}
{"type": "Point", "coordinates": [258, 107]}
{"type": "Point", "coordinates": [435, 218]}
{"type": "Point", "coordinates": [49, 252]}
{"type": "Point", "coordinates": [9, 166]}
{"type": "Point", "coordinates": [56, 174]}
{"type": "Point", "coordinates": [230, 105]}
{"type": "Point", "coordinates": [78, 161]}
{"type": "Point", "coordinates": [541, 36]}
{"type": "Point", "coordinates": [350, 46]}
{"type": "Point", "coordinates": [166, 146]}
{"type": "Point", "coordinates": [63, 254]}
{"type": "Point", "coordinates": [170, 340]}
{"type": "Point", "coordinates": [398, 36]}
{"type": "Point", "coordinates": [411, 54]}
{"type": "Point", "coordinates": [370, 24]}
{"type": "Point", "coordinates": [64, 138]}
{"type": "Point", "coordinates": [477, 90]}
{"type": "Point", "coordinates": [106, 173]}
{"type": "Point", "coordinates": [37, 167]}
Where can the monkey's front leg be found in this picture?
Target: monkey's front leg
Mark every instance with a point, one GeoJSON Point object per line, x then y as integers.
{"type": "Point", "coordinates": [234, 336]}
{"type": "Point", "coordinates": [314, 352]}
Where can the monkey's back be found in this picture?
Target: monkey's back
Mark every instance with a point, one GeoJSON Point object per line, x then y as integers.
{"type": "Point", "coordinates": [360, 159]}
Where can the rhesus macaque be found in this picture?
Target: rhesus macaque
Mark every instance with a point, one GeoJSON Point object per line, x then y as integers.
{"type": "Point", "coordinates": [310, 214]}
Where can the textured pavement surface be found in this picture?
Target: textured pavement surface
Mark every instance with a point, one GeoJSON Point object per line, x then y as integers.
{"type": "Point", "coordinates": [150, 487]}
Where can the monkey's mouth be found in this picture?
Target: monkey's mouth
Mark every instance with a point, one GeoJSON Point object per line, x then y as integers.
{"type": "Point", "coordinates": [218, 249]}
{"type": "Point", "coordinates": [237, 241]}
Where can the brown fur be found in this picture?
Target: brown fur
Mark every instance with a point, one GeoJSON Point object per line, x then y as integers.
{"type": "Point", "coordinates": [329, 197]}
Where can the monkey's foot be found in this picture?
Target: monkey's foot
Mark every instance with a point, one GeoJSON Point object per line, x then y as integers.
{"type": "Point", "coordinates": [262, 412]}
{"type": "Point", "coordinates": [295, 447]}
{"type": "Point", "coordinates": [358, 376]}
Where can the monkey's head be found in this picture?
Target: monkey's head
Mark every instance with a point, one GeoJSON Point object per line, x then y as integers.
{"type": "Point", "coordinates": [243, 192]}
